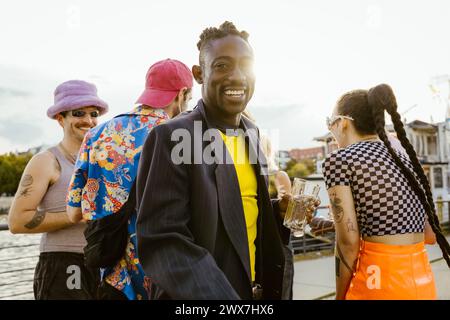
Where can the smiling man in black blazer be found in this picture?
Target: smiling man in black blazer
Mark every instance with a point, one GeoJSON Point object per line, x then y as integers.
{"type": "Point", "coordinates": [206, 226]}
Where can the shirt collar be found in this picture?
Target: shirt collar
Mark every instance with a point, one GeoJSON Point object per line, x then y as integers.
{"type": "Point", "coordinates": [140, 110]}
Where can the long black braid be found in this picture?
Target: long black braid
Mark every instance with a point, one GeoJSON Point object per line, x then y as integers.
{"type": "Point", "coordinates": [381, 98]}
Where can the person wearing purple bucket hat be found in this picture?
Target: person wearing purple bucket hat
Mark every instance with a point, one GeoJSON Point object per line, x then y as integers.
{"type": "Point", "coordinates": [101, 190]}
{"type": "Point", "coordinates": [72, 94]}
{"type": "Point", "coordinates": [40, 202]}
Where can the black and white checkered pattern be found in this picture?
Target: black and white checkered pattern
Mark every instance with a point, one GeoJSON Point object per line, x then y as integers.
{"type": "Point", "coordinates": [385, 203]}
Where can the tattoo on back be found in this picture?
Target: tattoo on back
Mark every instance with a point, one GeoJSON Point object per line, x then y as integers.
{"type": "Point", "coordinates": [37, 219]}
{"type": "Point", "coordinates": [336, 208]}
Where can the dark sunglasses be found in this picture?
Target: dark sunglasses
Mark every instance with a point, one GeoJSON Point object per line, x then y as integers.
{"type": "Point", "coordinates": [81, 113]}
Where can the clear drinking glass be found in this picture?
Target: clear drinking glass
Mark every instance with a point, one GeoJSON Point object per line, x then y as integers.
{"type": "Point", "coordinates": [304, 194]}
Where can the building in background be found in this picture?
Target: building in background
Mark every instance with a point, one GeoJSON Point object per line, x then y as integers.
{"type": "Point", "coordinates": [432, 144]}
{"type": "Point", "coordinates": [308, 153]}
{"type": "Point", "coordinates": [282, 158]}
{"type": "Point", "coordinates": [328, 141]}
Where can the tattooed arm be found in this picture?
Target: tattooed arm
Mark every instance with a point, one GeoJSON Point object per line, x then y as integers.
{"type": "Point", "coordinates": [23, 216]}
{"type": "Point", "coordinates": [347, 237]}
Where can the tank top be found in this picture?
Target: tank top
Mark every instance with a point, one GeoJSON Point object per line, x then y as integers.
{"type": "Point", "coordinates": [70, 239]}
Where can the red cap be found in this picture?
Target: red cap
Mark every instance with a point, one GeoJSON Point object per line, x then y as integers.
{"type": "Point", "coordinates": [163, 82]}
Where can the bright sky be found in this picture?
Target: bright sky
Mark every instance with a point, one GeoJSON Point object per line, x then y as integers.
{"type": "Point", "coordinates": [308, 53]}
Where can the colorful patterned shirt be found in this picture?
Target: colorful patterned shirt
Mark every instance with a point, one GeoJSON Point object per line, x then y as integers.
{"type": "Point", "coordinates": [104, 174]}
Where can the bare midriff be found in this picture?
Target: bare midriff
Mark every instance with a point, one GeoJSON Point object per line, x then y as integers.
{"type": "Point", "coordinates": [397, 239]}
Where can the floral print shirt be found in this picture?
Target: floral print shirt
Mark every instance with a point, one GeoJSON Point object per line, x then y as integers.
{"type": "Point", "coordinates": [104, 174]}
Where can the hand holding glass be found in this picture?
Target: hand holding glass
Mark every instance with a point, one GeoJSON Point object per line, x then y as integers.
{"type": "Point", "coordinates": [304, 195]}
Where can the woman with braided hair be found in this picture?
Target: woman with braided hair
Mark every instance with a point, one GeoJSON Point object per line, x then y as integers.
{"type": "Point", "coordinates": [381, 202]}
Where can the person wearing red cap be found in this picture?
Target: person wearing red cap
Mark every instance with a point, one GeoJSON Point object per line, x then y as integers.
{"type": "Point", "coordinates": [206, 226]}
{"type": "Point", "coordinates": [40, 202]}
{"type": "Point", "coordinates": [168, 86]}
{"type": "Point", "coordinates": [106, 169]}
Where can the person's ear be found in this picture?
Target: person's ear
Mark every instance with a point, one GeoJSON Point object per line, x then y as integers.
{"type": "Point", "coordinates": [344, 124]}
{"type": "Point", "coordinates": [197, 73]}
{"type": "Point", "coordinates": [182, 92]}
{"type": "Point", "coordinates": [181, 95]}
{"type": "Point", "coordinates": [59, 117]}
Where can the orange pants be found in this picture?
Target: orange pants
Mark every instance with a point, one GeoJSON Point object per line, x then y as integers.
{"type": "Point", "coordinates": [392, 272]}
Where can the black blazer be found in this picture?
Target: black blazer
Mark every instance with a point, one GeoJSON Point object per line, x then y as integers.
{"type": "Point", "coordinates": [191, 231]}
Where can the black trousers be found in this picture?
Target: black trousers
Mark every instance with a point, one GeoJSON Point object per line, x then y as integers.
{"type": "Point", "coordinates": [64, 276]}
{"type": "Point", "coordinates": [288, 278]}
{"type": "Point", "coordinates": [108, 292]}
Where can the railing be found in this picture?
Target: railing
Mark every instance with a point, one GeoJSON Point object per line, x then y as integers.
{"type": "Point", "coordinates": [443, 212]}
{"type": "Point", "coordinates": [309, 242]}
{"type": "Point", "coordinates": [16, 265]}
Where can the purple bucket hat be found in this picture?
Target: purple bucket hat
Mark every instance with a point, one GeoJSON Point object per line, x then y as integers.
{"type": "Point", "coordinates": [76, 94]}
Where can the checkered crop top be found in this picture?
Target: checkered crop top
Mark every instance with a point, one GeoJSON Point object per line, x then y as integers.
{"type": "Point", "coordinates": [385, 203]}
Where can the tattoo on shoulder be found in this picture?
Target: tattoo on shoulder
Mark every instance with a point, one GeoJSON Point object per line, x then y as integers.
{"type": "Point", "coordinates": [25, 186]}
{"type": "Point", "coordinates": [27, 180]}
{"type": "Point", "coordinates": [25, 192]}
{"type": "Point", "coordinates": [336, 208]}
{"type": "Point", "coordinates": [37, 219]}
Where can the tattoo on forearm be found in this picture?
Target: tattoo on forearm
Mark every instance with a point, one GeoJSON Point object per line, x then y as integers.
{"type": "Point", "coordinates": [338, 266]}
{"type": "Point", "coordinates": [37, 219]}
{"type": "Point", "coordinates": [341, 256]}
{"type": "Point", "coordinates": [336, 208]}
{"type": "Point", "coordinates": [350, 226]}
{"type": "Point", "coordinates": [355, 265]}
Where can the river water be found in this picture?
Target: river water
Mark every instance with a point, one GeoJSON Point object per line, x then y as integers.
{"type": "Point", "coordinates": [18, 257]}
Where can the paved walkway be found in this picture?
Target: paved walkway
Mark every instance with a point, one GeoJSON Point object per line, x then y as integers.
{"type": "Point", "coordinates": [315, 279]}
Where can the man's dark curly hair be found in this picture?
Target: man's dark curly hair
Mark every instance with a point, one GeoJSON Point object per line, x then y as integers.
{"type": "Point", "coordinates": [212, 33]}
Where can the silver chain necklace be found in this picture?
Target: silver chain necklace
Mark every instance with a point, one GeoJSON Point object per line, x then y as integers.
{"type": "Point", "coordinates": [72, 158]}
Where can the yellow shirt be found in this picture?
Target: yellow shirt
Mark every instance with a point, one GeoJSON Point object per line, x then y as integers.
{"type": "Point", "coordinates": [249, 188]}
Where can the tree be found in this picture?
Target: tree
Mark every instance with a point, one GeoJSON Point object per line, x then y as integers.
{"type": "Point", "coordinates": [310, 165]}
{"type": "Point", "coordinates": [298, 170]}
{"type": "Point", "coordinates": [11, 168]}
{"type": "Point", "coordinates": [302, 168]}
